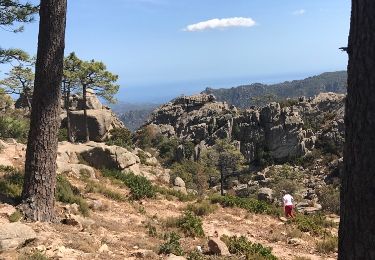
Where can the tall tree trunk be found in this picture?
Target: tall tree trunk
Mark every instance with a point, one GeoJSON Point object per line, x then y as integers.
{"type": "Point", "coordinates": [40, 166]}
{"type": "Point", "coordinates": [86, 125]}
{"type": "Point", "coordinates": [67, 109]}
{"type": "Point", "coordinates": [357, 225]}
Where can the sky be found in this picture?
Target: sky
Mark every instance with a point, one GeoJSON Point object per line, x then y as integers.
{"type": "Point", "coordinates": [164, 48]}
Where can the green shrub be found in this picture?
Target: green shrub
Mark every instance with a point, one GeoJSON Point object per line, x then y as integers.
{"type": "Point", "coordinates": [202, 208]}
{"type": "Point", "coordinates": [288, 102]}
{"type": "Point", "coordinates": [311, 223]}
{"type": "Point", "coordinates": [286, 179]}
{"type": "Point", "coordinates": [328, 146]}
{"type": "Point", "coordinates": [251, 205]}
{"type": "Point", "coordinates": [102, 189]}
{"type": "Point", "coordinates": [146, 137]}
{"type": "Point", "coordinates": [151, 230]}
{"type": "Point", "coordinates": [63, 134]}
{"type": "Point", "coordinates": [329, 198]}
{"type": "Point", "coordinates": [328, 245]}
{"type": "Point", "coordinates": [121, 137]}
{"type": "Point", "coordinates": [142, 157]}
{"type": "Point", "coordinates": [196, 255]}
{"type": "Point", "coordinates": [67, 193]}
{"type": "Point", "coordinates": [34, 256]}
{"type": "Point", "coordinates": [15, 216]}
{"type": "Point", "coordinates": [188, 171]}
{"type": "Point", "coordinates": [191, 225]}
{"type": "Point", "coordinates": [167, 149]}
{"type": "Point", "coordinates": [140, 187]}
{"type": "Point", "coordinates": [263, 157]}
{"type": "Point", "coordinates": [242, 246]}
{"type": "Point", "coordinates": [12, 126]}
{"type": "Point", "coordinates": [172, 245]}
{"type": "Point", "coordinates": [175, 193]}
{"type": "Point", "coordinates": [11, 183]}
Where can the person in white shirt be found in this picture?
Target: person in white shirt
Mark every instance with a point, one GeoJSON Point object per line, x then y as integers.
{"type": "Point", "coordinates": [288, 204]}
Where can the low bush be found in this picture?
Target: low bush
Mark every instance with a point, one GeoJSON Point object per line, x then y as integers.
{"type": "Point", "coordinates": [34, 256]}
{"type": "Point", "coordinates": [152, 232]}
{"type": "Point", "coordinates": [251, 205]}
{"type": "Point", "coordinates": [11, 183]}
{"type": "Point", "coordinates": [196, 255]}
{"type": "Point", "coordinates": [327, 245]}
{"type": "Point", "coordinates": [121, 137]}
{"type": "Point", "coordinates": [194, 174]}
{"type": "Point", "coordinates": [329, 198]}
{"type": "Point", "coordinates": [67, 193]}
{"type": "Point", "coordinates": [312, 223]}
{"type": "Point", "coordinates": [14, 126]}
{"type": "Point", "coordinates": [242, 246]}
{"type": "Point", "coordinates": [202, 208]}
{"type": "Point", "coordinates": [175, 193]}
{"type": "Point", "coordinates": [15, 216]}
{"type": "Point", "coordinates": [102, 189]}
{"type": "Point", "coordinates": [140, 187]}
{"type": "Point", "coordinates": [191, 225]}
{"type": "Point", "coordinates": [172, 245]}
{"type": "Point", "coordinates": [63, 134]}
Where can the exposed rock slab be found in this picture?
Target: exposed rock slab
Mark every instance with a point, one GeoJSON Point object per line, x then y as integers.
{"type": "Point", "coordinates": [14, 235]}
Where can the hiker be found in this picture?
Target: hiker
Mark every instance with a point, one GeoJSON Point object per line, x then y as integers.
{"type": "Point", "coordinates": [288, 204]}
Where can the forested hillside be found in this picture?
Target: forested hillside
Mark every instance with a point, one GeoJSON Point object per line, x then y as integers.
{"type": "Point", "coordinates": [260, 94]}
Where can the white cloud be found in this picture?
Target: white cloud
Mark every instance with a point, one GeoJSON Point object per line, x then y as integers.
{"type": "Point", "coordinates": [221, 23]}
{"type": "Point", "coordinates": [299, 12]}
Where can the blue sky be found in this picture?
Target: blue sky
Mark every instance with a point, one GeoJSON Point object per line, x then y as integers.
{"type": "Point", "coordinates": [146, 42]}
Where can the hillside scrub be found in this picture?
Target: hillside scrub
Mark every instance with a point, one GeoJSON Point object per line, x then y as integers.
{"type": "Point", "coordinates": [251, 205]}
{"type": "Point", "coordinates": [172, 245]}
{"type": "Point", "coordinates": [329, 197]}
{"type": "Point", "coordinates": [242, 246]}
{"type": "Point", "coordinates": [140, 187]}
{"type": "Point", "coordinates": [67, 193]}
{"type": "Point", "coordinates": [314, 224]}
{"type": "Point", "coordinates": [170, 194]}
{"type": "Point", "coordinates": [121, 137]}
{"type": "Point", "coordinates": [11, 183]}
{"type": "Point", "coordinates": [14, 125]}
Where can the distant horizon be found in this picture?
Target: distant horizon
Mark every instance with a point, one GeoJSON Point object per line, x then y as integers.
{"type": "Point", "coordinates": [144, 93]}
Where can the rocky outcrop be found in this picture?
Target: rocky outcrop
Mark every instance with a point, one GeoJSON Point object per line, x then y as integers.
{"type": "Point", "coordinates": [100, 119]}
{"type": "Point", "coordinates": [14, 235]}
{"type": "Point", "coordinates": [203, 120]}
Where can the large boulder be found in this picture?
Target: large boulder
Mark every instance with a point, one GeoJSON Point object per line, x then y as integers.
{"type": "Point", "coordinates": [99, 121]}
{"type": "Point", "coordinates": [110, 157]}
{"type": "Point", "coordinates": [14, 235]}
{"type": "Point", "coordinates": [218, 247]}
{"type": "Point", "coordinates": [265, 194]}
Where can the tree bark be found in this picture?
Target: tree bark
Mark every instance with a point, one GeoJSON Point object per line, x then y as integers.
{"type": "Point", "coordinates": [86, 125]}
{"type": "Point", "coordinates": [67, 110]}
{"type": "Point", "coordinates": [40, 166]}
{"type": "Point", "coordinates": [357, 225]}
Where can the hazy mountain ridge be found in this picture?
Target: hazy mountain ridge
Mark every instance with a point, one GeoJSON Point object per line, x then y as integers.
{"type": "Point", "coordinates": [259, 94]}
{"type": "Point", "coordinates": [134, 115]}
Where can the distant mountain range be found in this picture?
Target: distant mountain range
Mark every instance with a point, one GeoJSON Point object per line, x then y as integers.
{"type": "Point", "coordinates": [256, 94]}
{"type": "Point", "coordinates": [134, 115]}
{"type": "Point", "coordinates": [259, 94]}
